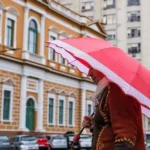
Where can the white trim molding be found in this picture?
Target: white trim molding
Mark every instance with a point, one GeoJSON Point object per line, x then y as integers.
{"type": "Point", "coordinates": [8, 88]}
{"type": "Point", "coordinates": [39, 127]}
{"type": "Point", "coordinates": [70, 99]}
{"type": "Point", "coordinates": [14, 18]}
{"type": "Point", "coordinates": [54, 34]}
{"type": "Point", "coordinates": [25, 29]}
{"type": "Point", "coordinates": [53, 96]}
{"type": "Point", "coordinates": [36, 20]}
{"type": "Point", "coordinates": [63, 98]}
{"type": "Point", "coordinates": [23, 99]}
{"type": "Point", "coordinates": [1, 18]}
{"type": "Point", "coordinates": [35, 103]}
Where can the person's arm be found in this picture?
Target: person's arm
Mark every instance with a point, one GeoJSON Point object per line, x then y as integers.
{"type": "Point", "coordinates": [124, 115]}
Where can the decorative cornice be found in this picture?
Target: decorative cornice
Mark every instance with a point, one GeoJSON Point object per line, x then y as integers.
{"type": "Point", "coordinates": [12, 10]}
{"type": "Point", "coordinates": [2, 6]}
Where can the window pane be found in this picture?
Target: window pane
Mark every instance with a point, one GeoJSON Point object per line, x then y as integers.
{"type": "Point", "coordinates": [6, 105]}
{"type": "Point", "coordinates": [134, 48]}
{"type": "Point", "coordinates": [70, 113]}
{"type": "Point", "coordinates": [10, 32]}
{"type": "Point", "coordinates": [52, 52]}
{"type": "Point", "coordinates": [32, 41]}
{"type": "Point", "coordinates": [33, 24]}
{"type": "Point", "coordinates": [89, 110]}
{"type": "Point", "coordinates": [61, 111]}
{"type": "Point", "coordinates": [109, 4]}
{"type": "Point", "coordinates": [52, 38]}
{"type": "Point", "coordinates": [111, 34]}
{"type": "Point", "coordinates": [133, 2]}
{"type": "Point", "coordinates": [62, 60]}
{"type": "Point", "coordinates": [51, 110]}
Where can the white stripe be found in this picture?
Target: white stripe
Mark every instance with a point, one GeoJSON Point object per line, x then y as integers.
{"type": "Point", "coordinates": [128, 89]}
{"type": "Point", "coordinates": [70, 59]}
{"type": "Point", "coordinates": [145, 111]}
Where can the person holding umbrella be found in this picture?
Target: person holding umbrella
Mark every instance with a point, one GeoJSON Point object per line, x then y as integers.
{"type": "Point", "coordinates": [122, 95]}
{"type": "Point", "coordinates": [117, 120]}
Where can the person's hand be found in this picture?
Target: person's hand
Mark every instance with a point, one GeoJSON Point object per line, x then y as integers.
{"type": "Point", "coordinates": [87, 122]}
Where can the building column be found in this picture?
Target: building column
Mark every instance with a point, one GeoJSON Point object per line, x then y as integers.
{"type": "Point", "coordinates": [39, 127]}
{"type": "Point", "coordinates": [146, 123]}
{"type": "Point", "coordinates": [22, 122]}
{"type": "Point", "coordinates": [25, 33]}
{"type": "Point", "coordinates": [42, 39]}
{"type": "Point", "coordinates": [83, 94]}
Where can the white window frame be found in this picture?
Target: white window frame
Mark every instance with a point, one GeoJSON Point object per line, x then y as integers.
{"type": "Point", "coordinates": [1, 17]}
{"type": "Point", "coordinates": [60, 97]}
{"type": "Point", "coordinates": [70, 99]}
{"type": "Point", "coordinates": [53, 96]}
{"type": "Point", "coordinates": [129, 35]}
{"type": "Point", "coordinates": [62, 37]}
{"type": "Point", "coordinates": [9, 88]}
{"type": "Point", "coordinates": [111, 33]}
{"type": "Point", "coordinates": [54, 34]}
{"type": "Point", "coordinates": [89, 103]}
{"type": "Point", "coordinates": [14, 18]}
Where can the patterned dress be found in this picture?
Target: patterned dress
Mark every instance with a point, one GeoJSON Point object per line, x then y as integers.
{"type": "Point", "coordinates": [117, 122]}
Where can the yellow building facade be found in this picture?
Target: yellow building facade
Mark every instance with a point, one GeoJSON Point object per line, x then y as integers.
{"type": "Point", "coordinates": [39, 90]}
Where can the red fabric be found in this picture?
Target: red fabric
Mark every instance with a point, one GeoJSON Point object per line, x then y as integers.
{"type": "Point", "coordinates": [124, 66]}
{"type": "Point", "coordinates": [126, 120]}
{"type": "Point", "coordinates": [114, 63]}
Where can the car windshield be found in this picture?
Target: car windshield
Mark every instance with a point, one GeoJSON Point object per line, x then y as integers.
{"type": "Point", "coordinates": [40, 136]}
{"type": "Point", "coordinates": [58, 137]}
{"type": "Point", "coordinates": [4, 138]}
{"type": "Point", "coordinates": [28, 138]}
{"type": "Point", "coordinates": [85, 137]}
{"type": "Point", "coordinates": [147, 138]}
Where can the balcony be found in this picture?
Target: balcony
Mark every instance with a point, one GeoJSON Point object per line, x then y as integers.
{"type": "Point", "coordinates": [33, 57]}
{"type": "Point", "coordinates": [69, 13]}
{"type": "Point", "coordinates": [64, 68]}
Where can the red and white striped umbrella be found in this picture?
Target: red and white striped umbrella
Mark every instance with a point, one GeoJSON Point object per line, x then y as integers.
{"type": "Point", "coordinates": [116, 65]}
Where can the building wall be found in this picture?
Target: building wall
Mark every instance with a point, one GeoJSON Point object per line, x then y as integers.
{"type": "Point", "coordinates": [145, 30]}
{"type": "Point", "coordinates": [120, 27]}
{"type": "Point", "coordinates": [5, 76]}
{"type": "Point", "coordinates": [33, 75]}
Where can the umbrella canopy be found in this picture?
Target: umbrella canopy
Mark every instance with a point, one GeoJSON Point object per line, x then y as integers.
{"type": "Point", "coordinates": [114, 63]}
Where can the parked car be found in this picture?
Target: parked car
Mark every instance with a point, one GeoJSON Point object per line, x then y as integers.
{"type": "Point", "coordinates": [42, 142]}
{"type": "Point", "coordinates": [5, 143]}
{"type": "Point", "coordinates": [24, 142]}
{"type": "Point", "coordinates": [58, 142]}
{"type": "Point", "coordinates": [85, 142]}
{"type": "Point", "coordinates": [148, 146]}
{"type": "Point", "coordinates": [69, 137]}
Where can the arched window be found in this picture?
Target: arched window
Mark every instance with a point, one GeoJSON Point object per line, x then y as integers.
{"type": "Point", "coordinates": [30, 103]}
{"type": "Point", "coordinates": [30, 114]}
{"type": "Point", "coordinates": [32, 37]}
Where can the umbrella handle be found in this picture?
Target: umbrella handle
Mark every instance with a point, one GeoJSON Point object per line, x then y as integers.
{"type": "Point", "coordinates": [83, 127]}
{"type": "Point", "coordinates": [77, 137]}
